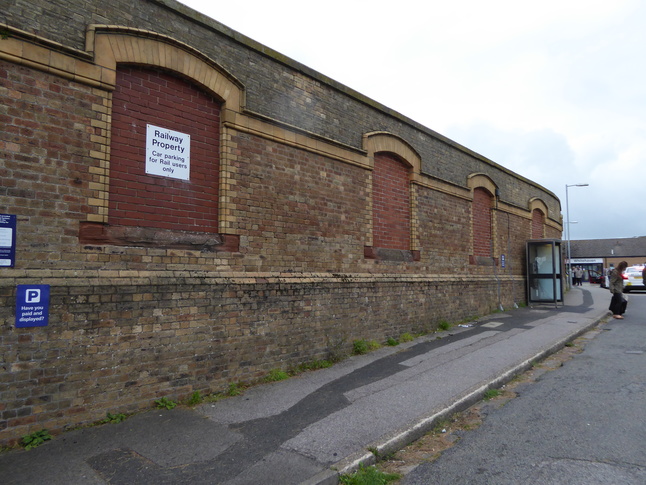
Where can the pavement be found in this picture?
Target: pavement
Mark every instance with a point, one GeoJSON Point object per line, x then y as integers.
{"type": "Point", "coordinates": [311, 428]}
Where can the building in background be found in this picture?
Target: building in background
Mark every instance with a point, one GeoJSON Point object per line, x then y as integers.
{"type": "Point", "coordinates": [597, 256]}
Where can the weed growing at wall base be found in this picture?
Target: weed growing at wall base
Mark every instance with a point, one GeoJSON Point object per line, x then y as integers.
{"type": "Point", "coordinates": [360, 347]}
{"type": "Point", "coordinates": [235, 389]}
{"type": "Point", "coordinates": [406, 337]}
{"type": "Point", "coordinates": [444, 325]}
{"type": "Point", "coordinates": [113, 418]}
{"type": "Point", "coordinates": [166, 403]}
{"type": "Point", "coordinates": [195, 399]}
{"type": "Point", "coordinates": [35, 439]}
{"type": "Point", "coordinates": [276, 375]}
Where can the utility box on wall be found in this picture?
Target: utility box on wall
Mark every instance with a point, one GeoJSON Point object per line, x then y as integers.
{"type": "Point", "coordinates": [544, 271]}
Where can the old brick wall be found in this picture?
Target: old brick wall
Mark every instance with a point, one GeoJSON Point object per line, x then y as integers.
{"type": "Point", "coordinates": [46, 143]}
{"type": "Point", "coordinates": [142, 97]}
{"type": "Point", "coordinates": [278, 87]}
{"type": "Point", "coordinates": [391, 203]}
{"type": "Point", "coordinates": [537, 224]}
{"type": "Point", "coordinates": [482, 223]}
{"type": "Point", "coordinates": [266, 264]}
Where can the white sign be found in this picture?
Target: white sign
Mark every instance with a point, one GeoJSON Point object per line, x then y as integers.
{"type": "Point", "coordinates": [168, 153]}
{"type": "Point", "coordinates": [586, 260]}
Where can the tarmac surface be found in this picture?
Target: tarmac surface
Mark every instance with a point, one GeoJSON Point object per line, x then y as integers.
{"type": "Point", "coordinates": [312, 428]}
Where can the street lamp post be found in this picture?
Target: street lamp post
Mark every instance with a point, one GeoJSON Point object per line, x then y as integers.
{"type": "Point", "coordinates": [567, 230]}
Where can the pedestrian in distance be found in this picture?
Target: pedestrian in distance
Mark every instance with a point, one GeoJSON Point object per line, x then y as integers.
{"type": "Point", "coordinates": [579, 275]}
{"type": "Point", "coordinates": [618, 302]}
{"type": "Point", "coordinates": [644, 275]}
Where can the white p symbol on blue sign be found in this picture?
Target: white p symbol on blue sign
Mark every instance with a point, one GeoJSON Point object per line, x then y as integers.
{"type": "Point", "coordinates": [32, 305]}
{"type": "Point", "coordinates": [32, 295]}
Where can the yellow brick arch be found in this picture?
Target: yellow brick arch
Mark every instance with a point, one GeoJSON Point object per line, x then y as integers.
{"type": "Point", "coordinates": [536, 203]}
{"type": "Point", "coordinates": [482, 180]}
{"type": "Point", "coordinates": [112, 45]}
{"type": "Point", "coordinates": [381, 141]}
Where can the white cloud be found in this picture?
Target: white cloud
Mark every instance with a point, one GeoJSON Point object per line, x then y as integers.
{"type": "Point", "coordinates": [555, 90]}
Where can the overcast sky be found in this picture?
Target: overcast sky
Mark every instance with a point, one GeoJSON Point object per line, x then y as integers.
{"type": "Point", "coordinates": [553, 90]}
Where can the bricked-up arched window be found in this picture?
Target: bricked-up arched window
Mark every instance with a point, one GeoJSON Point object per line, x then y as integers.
{"type": "Point", "coordinates": [391, 204]}
{"type": "Point", "coordinates": [147, 96]}
{"type": "Point", "coordinates": [538, 220]}
{"type": "Point", "coordinates": [482, 222]}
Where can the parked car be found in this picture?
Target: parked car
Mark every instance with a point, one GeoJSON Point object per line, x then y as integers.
{"type": "Point", "coordinates": [595, 277]}
{"type": "Point", "coordinates": [633, 279]}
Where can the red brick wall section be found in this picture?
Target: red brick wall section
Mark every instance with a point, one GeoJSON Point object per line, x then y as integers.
{"type": "Point", "coordinates": [537, 224]}
{"type": "Point", "coordinates": [391, 203]}
{"type": "Point", "coordinates": [481, 222]}
{"type": "Point", "coordinates": [145, 96]}
{"type": "Point", "coordinates": [45, 139]}
{"type": "Point", "coordinates": [298, 211]}
{"type": "Point", "coordinates": [444, 227]}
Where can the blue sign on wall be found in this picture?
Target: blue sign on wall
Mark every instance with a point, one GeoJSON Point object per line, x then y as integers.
{"type": "Point", "coordinates": [32, 305]}
{"type": "Point", "coordinates": [7, 240]}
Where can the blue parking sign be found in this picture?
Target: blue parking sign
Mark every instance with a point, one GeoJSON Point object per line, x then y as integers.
{"type": "Point", "coordinates": [32, 305]}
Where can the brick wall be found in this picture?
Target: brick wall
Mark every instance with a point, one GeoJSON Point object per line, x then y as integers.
{"type": "Point", "coordinates": [120, 344]}
{"type": "Point", "coordinates": [482, 223]}
{"type": "Point", "coordinates": [265, 265]}
{"type": "Point", "coordinates": [537, 224]}
{"type": "Point", "coordinates": [142, 97]}
{"type": "Point", "coordinates": [45, 147]}
{"type": "Point", "coordinates": [391, 203]}
{"type": "Point", "coordinates": [278, 87]}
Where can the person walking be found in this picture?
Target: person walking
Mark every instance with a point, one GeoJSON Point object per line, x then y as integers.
{"type": "Point", "coordinates": [579, 275]}
{"type": "Point", "coordinates": [618, 301]}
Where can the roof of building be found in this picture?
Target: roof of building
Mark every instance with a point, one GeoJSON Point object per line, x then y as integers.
{"type": "Point", "coordinates": [608, 248]}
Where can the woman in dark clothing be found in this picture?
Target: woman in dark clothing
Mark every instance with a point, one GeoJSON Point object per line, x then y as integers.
{"type": "Point", "coordinates": [618, 302]}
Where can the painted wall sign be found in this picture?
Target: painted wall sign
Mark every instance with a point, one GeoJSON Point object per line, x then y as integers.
{"type": "Point", "coordinates": [7, 240]}
{"type": "Point", "coordinates": [32, 305]}
{"type": "Point", "coordinates": [168, 153]}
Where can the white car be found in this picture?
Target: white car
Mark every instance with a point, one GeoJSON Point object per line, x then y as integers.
{"type": "Point", "coordinates": [633, 279]}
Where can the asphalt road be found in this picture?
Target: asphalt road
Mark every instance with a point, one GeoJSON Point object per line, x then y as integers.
{"type": "Point", "coordinates": [582, 424]}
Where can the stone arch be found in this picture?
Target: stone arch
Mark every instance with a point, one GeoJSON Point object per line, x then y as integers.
{"type": "Point", "coordinates": [483, 181]}
{"type": "Point", "coordinates": [381, 141]}
{"type": "Point", "coordinates": [537, 203]}
{"type": "Point", "coordinates": [112, 45]}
